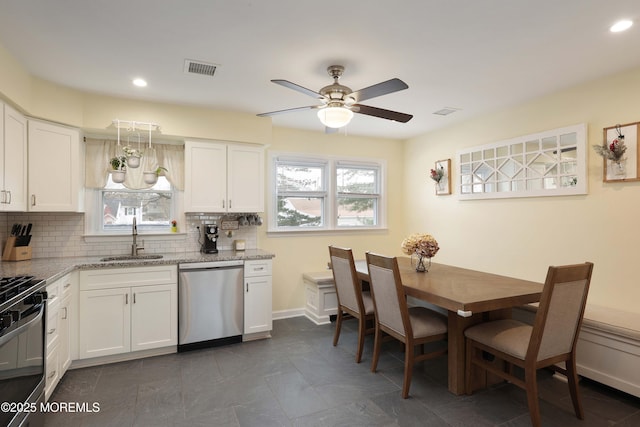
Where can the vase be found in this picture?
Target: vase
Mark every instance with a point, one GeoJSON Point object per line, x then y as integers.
{"type": "Point", "coordinates": [150, 177]}
{"type": "Point", "coordinates": [117, 176]}
{"type": "Point", "coordinates": [422, 263]}
{"type": "Point", "coordinates": [133, 161]}
{"type": "Point", "coordinates": [619, 167]}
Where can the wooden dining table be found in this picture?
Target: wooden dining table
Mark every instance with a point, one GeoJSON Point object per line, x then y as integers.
{"type": "Point", "coordinates": [469, 296]}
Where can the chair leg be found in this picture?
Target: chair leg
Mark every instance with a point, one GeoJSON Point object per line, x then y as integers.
{"type": "Point", "coordinates": [362, 327]}
{"type": "Point", "coordinates": [408, 369]}
{"type": "Point", "coordinates": [376, 348]}
{"type": "Point", "coordinates": [572, 378]}
{"type": "Point", "coordinates": [336, 335]}
{"type": "Point", "coordinates": [532, 396]}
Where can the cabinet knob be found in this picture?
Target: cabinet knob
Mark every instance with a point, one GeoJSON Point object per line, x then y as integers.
{"type": "Point", "coordinates": [33, 200]}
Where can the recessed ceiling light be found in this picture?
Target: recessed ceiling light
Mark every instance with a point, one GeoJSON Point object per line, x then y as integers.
{"type": "Point", "coordinates": [622, 25]}
{"type": "Point", "coordinates": [140, 82]}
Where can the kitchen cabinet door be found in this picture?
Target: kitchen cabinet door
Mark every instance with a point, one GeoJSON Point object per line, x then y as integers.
{"type": "Point", "coordinates": [205, 179]}
{"type": "Point", "coordinates": [55, 168]}
{"type": "Point", "coordinates": [105, 322]}
{"type": "Point", "coordinates": [222, 177]}
{"type": "Point", "coordinates": [257, 304]}
{"type": "Point", "coordinates": [64, 326]}
{"type": "Point", "coordinates": [13, 160]}
{"type": "Point", "coordinates": [154, 317]}
{"type": "Point", "coordinates": [245, 178]}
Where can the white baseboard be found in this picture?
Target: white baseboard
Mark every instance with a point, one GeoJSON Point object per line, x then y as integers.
{"type": "Point", "coordinates": [285, 314]}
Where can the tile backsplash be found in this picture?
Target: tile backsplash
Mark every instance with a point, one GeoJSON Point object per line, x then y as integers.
{"type": "Point", "coordinates": [62, 235]}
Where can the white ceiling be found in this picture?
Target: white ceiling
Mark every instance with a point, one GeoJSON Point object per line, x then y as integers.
{"type": "Point", "coordinates": [474, 55]}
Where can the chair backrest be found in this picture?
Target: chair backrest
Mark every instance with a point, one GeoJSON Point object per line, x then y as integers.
{"type": "Point", "coordinates": [345, 278]}
{"type": "Point", "coordinates": [389, 298]}
{"type": "Point", "coordinates": [560, 312]}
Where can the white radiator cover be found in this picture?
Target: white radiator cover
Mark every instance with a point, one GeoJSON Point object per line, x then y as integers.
{"type": "Point", "coordinates": [608, 346]}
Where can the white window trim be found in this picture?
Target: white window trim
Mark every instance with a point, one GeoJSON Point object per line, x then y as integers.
{"type": "Point", "coordinates": [330, 226]}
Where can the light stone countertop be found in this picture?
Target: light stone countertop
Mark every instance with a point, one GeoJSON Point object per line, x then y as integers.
{"type": "Point", "coordinates": [52, 269]}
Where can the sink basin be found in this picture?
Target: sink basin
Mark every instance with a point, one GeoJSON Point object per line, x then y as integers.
{"type": "Point", "coordinates": [130, 257]}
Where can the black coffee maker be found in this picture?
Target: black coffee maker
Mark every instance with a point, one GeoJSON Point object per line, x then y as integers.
{"type": "Point", "coordinates": [210, 245]}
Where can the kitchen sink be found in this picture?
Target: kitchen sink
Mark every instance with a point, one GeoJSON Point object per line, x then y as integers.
{"type": "Point", "coordinates": [130, 257]}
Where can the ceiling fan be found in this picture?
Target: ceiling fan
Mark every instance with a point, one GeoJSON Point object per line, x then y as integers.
{"type": "Point", "coordinates": [340, 102]}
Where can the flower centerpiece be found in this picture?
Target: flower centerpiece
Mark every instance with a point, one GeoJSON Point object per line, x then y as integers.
{"type": "Point", "coordinates": [422, 246]}
{"type": "Point", "coordinates": [614, 151]}
{"type": "Point", "coordinates": [174, 226]}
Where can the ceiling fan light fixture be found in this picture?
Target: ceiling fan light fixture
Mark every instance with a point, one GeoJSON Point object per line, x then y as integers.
{"type": "Point", "coordinates": [335, 117]}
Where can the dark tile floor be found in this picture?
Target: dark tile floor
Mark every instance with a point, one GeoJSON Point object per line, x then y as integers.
{"type": "Point", "coordinates": [298, 378]}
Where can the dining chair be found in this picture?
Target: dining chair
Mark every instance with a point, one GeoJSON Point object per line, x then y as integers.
{"type": "Point", "coordinates": [412, 326]}
{"type": "Point", "coordinates": [550, 340]}
{"type": "Point", "coordinates": [351, 298]}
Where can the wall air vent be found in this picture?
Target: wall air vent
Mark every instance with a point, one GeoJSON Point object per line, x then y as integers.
{"type": "Point", "coordinates": [199, 67]}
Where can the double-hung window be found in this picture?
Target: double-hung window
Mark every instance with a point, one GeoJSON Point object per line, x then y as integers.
{"type": "Point", "coordinates": [301, 194]}
{"type": "Point", "coordinates": [326, 194]}
{"type": "Point", "coordinates": [357, 195]}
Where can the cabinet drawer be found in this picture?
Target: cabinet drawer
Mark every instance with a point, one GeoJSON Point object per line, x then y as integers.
{"type": "Point", "coordinates": [52, 372]}
{"type": "Point", "coordinates": [52, 327]}
{"type": "Point", "coordinates": [53, 293]}
{"type": "Point", "coordinates": [108, 278]}
{"type": "Point", "coordinates": [65, 285]}
{"type": "Point", "coordinates": [260, 267]}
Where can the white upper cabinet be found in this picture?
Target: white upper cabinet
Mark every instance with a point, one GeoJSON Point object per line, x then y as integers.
{"type": "Point", "coordinates": [56, 172]}
{"type": "Point", "coordinates": [13, 160]}
{"type": "Point", "coordinates": [221, 177]}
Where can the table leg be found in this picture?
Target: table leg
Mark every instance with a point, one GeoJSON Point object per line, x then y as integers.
{"type": "Point", "coordinates": [456, 349]}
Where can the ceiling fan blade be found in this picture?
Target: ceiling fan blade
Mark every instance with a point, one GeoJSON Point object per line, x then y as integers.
{"type": "Point", "coordinates": [287, 83]}
{"type": "Point", "coordinates": [382, 113]}
{"type": "Point", "coordinates": [290, 110]}
{"type": "Point", "coordinates": [390, 86]}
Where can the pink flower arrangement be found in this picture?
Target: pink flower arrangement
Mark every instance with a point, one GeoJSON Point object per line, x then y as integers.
{"type": "Point", "coordinates": [420, 244]}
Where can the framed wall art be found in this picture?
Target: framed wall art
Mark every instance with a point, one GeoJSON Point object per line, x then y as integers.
{"type": "Point", "coordinates": [441, 175]}
{"type": "Point", "coordinates": [620, 153]}
{"type": "Point", "coordinates": [549, 163]}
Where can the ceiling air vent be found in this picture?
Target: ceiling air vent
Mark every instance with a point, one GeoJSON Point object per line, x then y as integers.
{"type": "Point", "coordinates": [445, 111]}
{"type": "Point", "coordinates": [199, 67]}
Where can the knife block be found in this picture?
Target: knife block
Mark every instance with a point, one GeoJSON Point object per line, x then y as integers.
{"type": "Point", "coordinates": [15, 253]}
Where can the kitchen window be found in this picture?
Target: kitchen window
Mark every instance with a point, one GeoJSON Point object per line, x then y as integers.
{"type": "Point", "coordinates": [153, 208]}
{"type": "Point", "coordinates": [111, 207]}
{"type": "Point", "coordinates": [311, 193]}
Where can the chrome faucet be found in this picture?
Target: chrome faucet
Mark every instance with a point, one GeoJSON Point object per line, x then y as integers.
{"type": "Point", "coordinates": [134, 233]}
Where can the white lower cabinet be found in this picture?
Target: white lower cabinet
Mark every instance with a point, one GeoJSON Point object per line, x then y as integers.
{"type": "Point", "coordinates": [257, 296]}
{"type": "Point", "coordinates": [127, 309]}
{"type": "Point", "coordinates": [59, 338]}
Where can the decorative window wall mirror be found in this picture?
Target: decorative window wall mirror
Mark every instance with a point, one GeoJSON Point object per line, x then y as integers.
{"type": "Point", "coordinates": [623, 167]}
{"type": "Point", "coordinates": [550, 163]}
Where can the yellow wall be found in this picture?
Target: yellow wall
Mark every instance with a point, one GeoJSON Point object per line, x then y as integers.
{"type": "Point", "coordinates": [522, 237]}
{"type": "Point", "coordinates": [298, 254]}
{"type": "Point", "coordinates": [519, 237]}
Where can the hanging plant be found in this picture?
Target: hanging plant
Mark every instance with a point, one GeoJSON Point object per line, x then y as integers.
{"type": "Point", "coordinates": [133, 156]}
{"type": "Point", "coordinates": [151, 177]}
{"type": "Point", "coordinates": [118, 169]}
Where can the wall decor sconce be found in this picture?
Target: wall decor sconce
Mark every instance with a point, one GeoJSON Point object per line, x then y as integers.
{"type": "Point", "coordinates": [441, 175]}
{"type": "Point", "coordinates": [619, 151]}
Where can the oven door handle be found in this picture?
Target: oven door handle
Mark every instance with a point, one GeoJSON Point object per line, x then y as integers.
{"type": "Point", "coordinates": [21, 325]}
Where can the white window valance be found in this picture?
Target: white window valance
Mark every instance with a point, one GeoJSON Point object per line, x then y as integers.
{"type": "Point", "coordinates": [99, 151]}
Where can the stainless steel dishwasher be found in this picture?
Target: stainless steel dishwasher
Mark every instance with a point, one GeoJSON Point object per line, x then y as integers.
{"type": "Point", "coordinates": [210, 304]}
